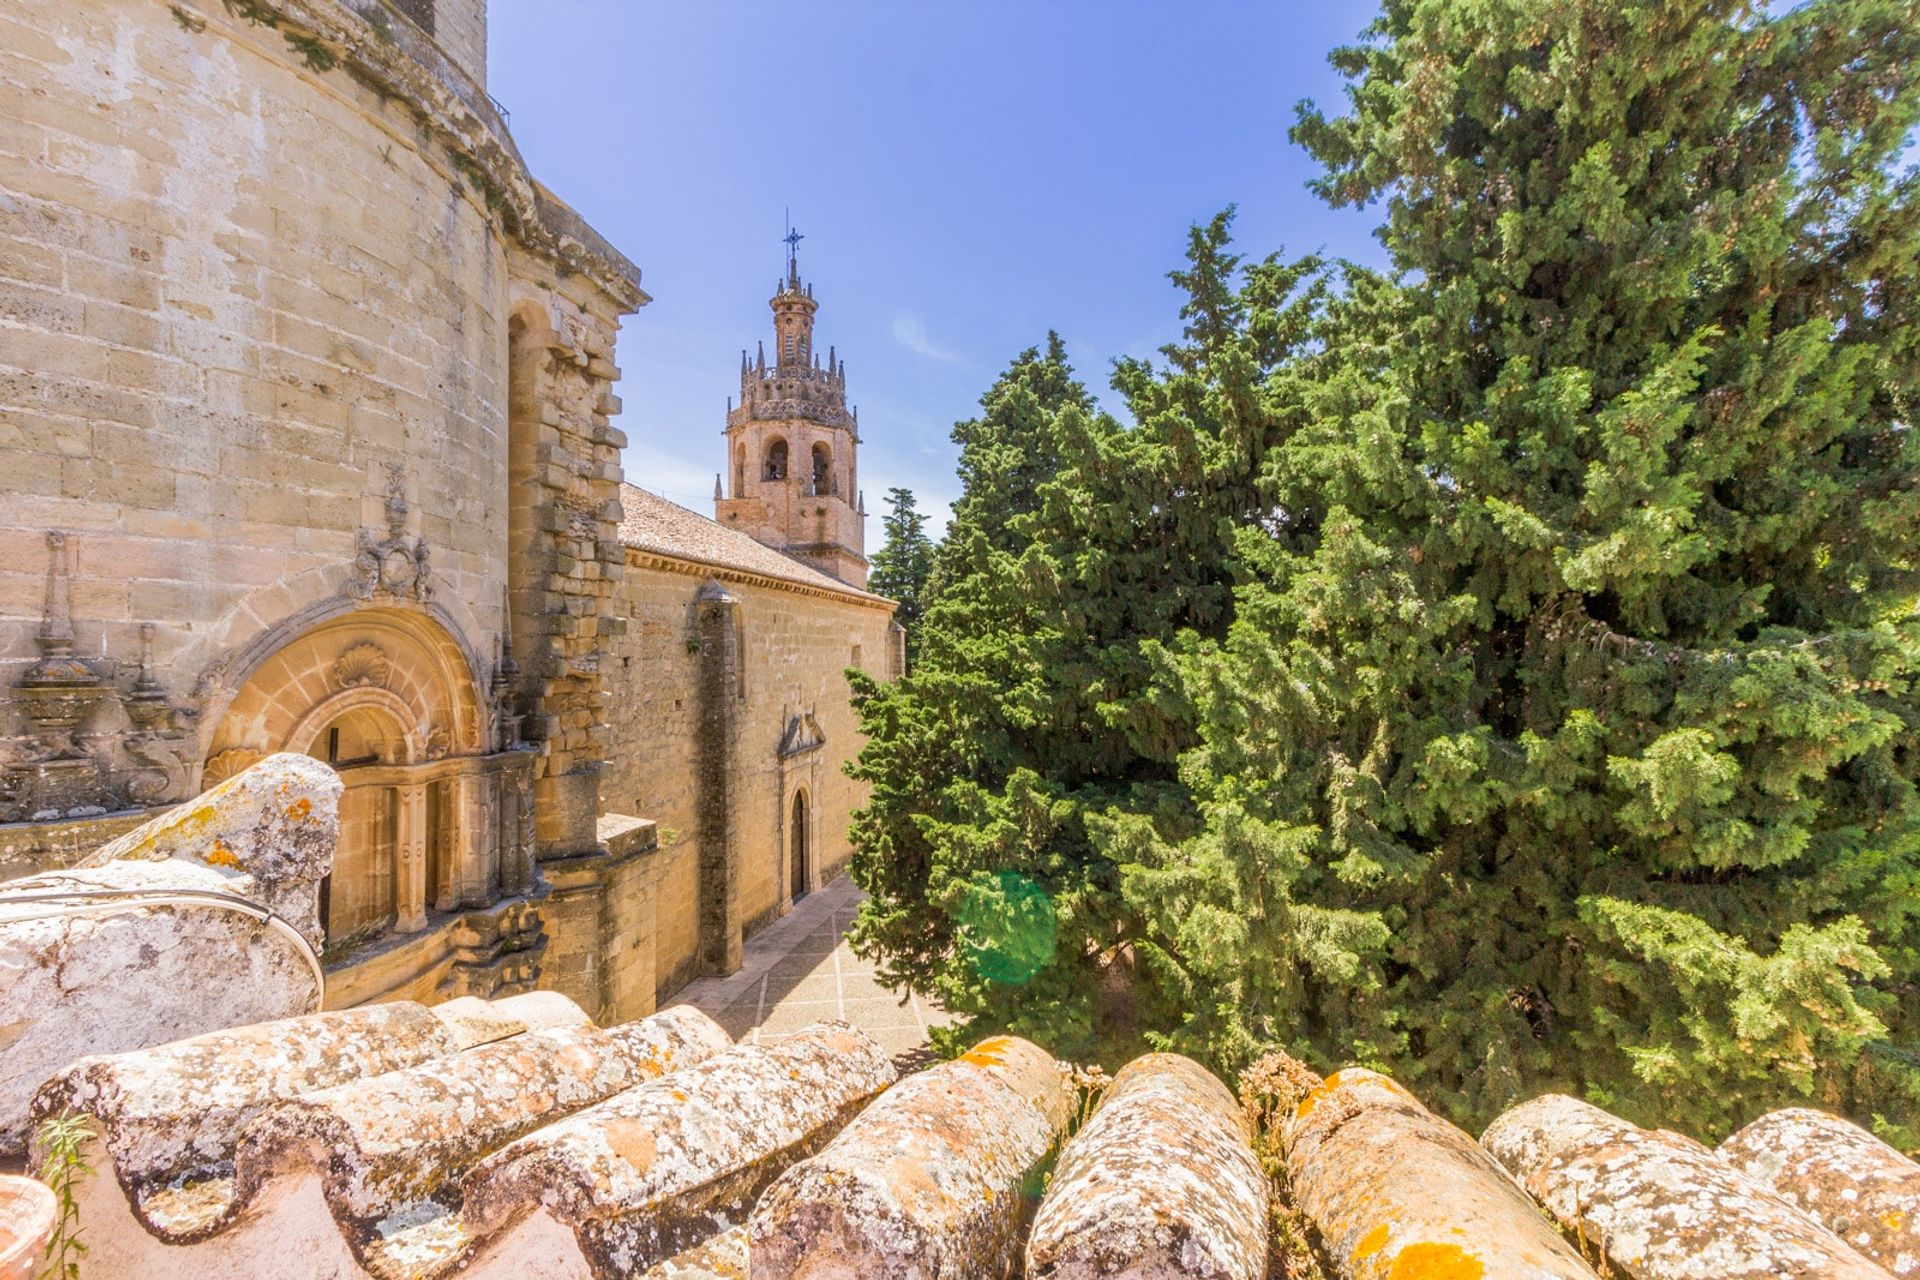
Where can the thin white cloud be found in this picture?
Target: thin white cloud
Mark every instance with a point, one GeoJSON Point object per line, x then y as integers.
{"type": "Point", "coordinates": [911, 334]}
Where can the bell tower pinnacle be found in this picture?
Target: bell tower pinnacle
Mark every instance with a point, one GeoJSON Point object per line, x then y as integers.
{"type": "Point", "coordinates": [791, 444]}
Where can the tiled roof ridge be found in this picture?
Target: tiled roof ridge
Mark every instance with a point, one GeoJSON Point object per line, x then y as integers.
{"type": "Point", "coordinates": [663, 530]}
{"type": "Point", "coordinates": [497, 1139]}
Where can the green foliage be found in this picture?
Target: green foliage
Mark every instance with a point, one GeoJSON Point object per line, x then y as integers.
{"type": "Point", "coordinates": [480, 180]}
{"type": "Point", "coordinates": [188, 22]}
{"type": "Point", "coordinates": [312, 51]}
{"type": "Point", "coordinates": [902, 567]}
{"type": "Point", "coordinates": [1500, 671]}
{"type": "Point", "coordinates": [1033, 709]}
{"type": "Point", "coordinates": [251, 11]}
{"type": "Point", "coordinates": [60, 1140]}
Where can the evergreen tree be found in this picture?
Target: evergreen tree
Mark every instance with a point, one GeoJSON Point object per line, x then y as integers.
{"type": "Point", "coordinates": [1033, 707]}
{"type": "Point", "coordinates": [1565, 732]}
{"type": "Point", "coordinates": [903, 564]}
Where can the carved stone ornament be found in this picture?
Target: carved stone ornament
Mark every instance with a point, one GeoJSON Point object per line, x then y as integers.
{"type": "Point", "coordinates": [361, 665]}
{"type": "Point", "coordinates": [225, 764]}
{"type": "Point", "coordinates": [803, 734]}
{"type": "Point", "coordinates": [395, 565]}
{"type": "Point", "coordinates": [61, 690]}
{"type": "Point", "coordinates": [437, 744]}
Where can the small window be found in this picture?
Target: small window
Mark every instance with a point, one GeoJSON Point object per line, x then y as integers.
{"type": "Point", "coordinates": [856, 658]}
{"type": "Point", "coordinates": [776, 468]}
{"type": "Point", "coordinates": [822, 469]}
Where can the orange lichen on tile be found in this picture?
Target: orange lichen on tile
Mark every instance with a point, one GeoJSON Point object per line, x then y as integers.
{"type": "Point", "coordinates": [1371, 1243]}
{"type": "Point", "coordinates": [1436, 1262]}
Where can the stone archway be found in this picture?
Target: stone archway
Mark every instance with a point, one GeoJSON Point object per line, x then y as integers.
{"type": "Point", "coordinates": [798, 852]}
{"type": "Point", "coordinates": [431, 819]}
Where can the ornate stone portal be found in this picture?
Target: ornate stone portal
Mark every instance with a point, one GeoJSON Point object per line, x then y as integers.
{"type": "Point", "coordinates": [436, 836]}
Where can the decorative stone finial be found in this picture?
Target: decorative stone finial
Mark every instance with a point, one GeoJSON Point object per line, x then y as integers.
{"type": "Point", "coordinates": [147, 705]}
{"type": "Point", "coordinates": [60, 690]}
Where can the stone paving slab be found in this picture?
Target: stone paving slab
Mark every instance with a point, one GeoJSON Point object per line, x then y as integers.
{"type": "Point", "coordinates": [799, 970]}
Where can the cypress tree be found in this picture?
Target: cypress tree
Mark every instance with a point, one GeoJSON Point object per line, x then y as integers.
{"type": "Point", "coordinates": [902, 565]}
{"type": "Point", "coordinates": [1564, 735]}
{"type": "Point", "coordinates": [1037, 705]}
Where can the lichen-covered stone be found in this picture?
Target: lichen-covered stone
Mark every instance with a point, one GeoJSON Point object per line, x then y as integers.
{"type": "Point", "coordinates": [91, 975]}
{"type": "Point", "coordinates": [1659, 1205]}
{"type": "Point", "coordinates": [395, 1139]}
{"type": "Point", "coordinates": [471, 1020]}
{"type": "Point", "coordinates": [932, 1182]}
{"type": "Point", "coordinates": [649, 1171]}
{"type": "Point", "coordinates": [275, 823]}
{"type": "Point", "coordinates": [671, 1039]}
{"type": "Point", "coordinates": [1397, 1192]}
{"type": "Point", "coordinates": [28, 1213]}
{"type": "Point", "coordinates": [724, 1257]}
{"type": "Point", "coordinates": [1855, 1185]}
{"type": "Point", "coordinates": [170, 1117]}
{"type": "Point", "coordinates": [1161, 1184]}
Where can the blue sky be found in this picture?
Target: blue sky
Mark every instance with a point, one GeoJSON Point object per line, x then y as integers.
{"type": "Point", "coordinates": [967, 175]}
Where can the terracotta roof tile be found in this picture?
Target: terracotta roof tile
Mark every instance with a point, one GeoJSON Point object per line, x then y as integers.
{"type": "Point", "coordinates": [387, 1149]}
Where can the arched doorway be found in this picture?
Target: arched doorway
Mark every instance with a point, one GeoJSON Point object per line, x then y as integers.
{"type": "Point", "coordinates": [360, 895]}
{"type": "Point", "coordinates": [797, 848]}
{"type": "Point", "coordinates": [431, 818]}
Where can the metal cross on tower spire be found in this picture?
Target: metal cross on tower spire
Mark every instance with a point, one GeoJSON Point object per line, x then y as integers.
{"type": "Point", "coordinates": [792, 241]}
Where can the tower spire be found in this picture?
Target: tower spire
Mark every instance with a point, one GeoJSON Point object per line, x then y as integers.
{"type": "Point", "coordinates": [792, 443]}
{"type": "Point", "coordinates": [792, 241]}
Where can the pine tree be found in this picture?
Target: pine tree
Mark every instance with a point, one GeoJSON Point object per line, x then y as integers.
{"type": "Point", "coordinates": [902, 566]}
{"type": "Point", "coordinates": [1564, 735]}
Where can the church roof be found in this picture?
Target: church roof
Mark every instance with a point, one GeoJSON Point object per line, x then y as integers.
{"type": "Point", "coordinates": [651, 523]}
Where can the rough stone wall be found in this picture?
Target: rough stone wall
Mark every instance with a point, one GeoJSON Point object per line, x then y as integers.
{"type": "Point", "coordinates": [567, 558]}
{"type": "Point", "coordinates": [796, 646]}
{"type": "Point", "coordinates": [258, 268]}
{"type": "Point", "coordinates": [240, 294]}
{"type": "Point", "coordinates": [460, 28]}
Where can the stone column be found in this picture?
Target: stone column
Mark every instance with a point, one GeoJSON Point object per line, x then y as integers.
{"type": "Point", "coordinates": [410, 846]}
{"type": "Point", "coordinates": [451, 875]}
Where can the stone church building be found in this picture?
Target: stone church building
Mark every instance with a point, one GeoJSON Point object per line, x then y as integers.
{"type": "Point", "coordinates": [306, 427]}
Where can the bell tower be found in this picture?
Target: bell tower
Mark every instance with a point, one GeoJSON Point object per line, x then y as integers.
{"type": "Point", "coordinates": [791, 445]}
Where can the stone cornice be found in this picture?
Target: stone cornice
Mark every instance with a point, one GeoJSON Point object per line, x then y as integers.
{"type": "Point", "coordinates": [639, 559]}
{"type": "Point", "coordinates": [397, 59]}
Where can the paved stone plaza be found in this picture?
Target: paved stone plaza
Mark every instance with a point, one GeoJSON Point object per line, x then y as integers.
{"type": "Point", "coordinates": [800, 970]}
